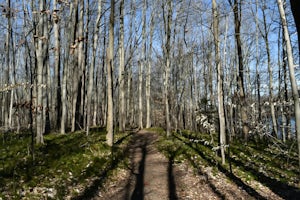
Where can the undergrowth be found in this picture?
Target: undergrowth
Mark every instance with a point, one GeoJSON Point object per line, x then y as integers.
{"type": "Point", "coordinates": [62, 167]}
{"type": "Point", "coordinates": [273, 166]}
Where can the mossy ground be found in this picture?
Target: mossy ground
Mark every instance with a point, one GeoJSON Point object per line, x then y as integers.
{"type": "Point", "coordinates": [62, 167]}
{"type": "Point", "coordinates": [73, 165]}
{"type": "Point", "coordinates": [275, 166]}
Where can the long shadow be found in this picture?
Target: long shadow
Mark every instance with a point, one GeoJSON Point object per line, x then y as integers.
{"type": "Point", "coordinates": [171, 180]}
{"type": "Point", "coordinates": [138, 145]}
{"type": "Point", "coordinates": [123, 138]}
{"type": "Point", "coordinates": [234, 178]}
{"type": "Point", "coordinates": [283, 190]}
{"type": "Point", "coordinates": [138, 192]}
{"type": "Point", "coordinates": [211, 185]}
{"type": "Point", "coordinates": [92, 190]}
{"type": "Point", "coordinates": [116, 157]}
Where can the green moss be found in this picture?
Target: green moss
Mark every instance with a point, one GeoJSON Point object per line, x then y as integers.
{"type": "Point", "coordinates": [63, 162]}
{"type": "Point", "coordinates": [157, 130]}
{"type": "Point", "coordinates": [247, 161]}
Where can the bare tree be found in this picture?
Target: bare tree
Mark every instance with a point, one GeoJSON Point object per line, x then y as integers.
{"type": "Point", "coordinates": [110, 64]}
{"type": "Point", "coordinates": [167, 17]}
{"type": "Point", "coordinates": [295, 5]}
{"type": "Point", "coordinates": [69, 50]}
{"type": "Point", "coordinates": [7, 96]}
{"type": "Point", "coordinates": [292, 71]}
{"type": "Point", "coordinates": [148, 76]}
{"type": "Point", "coordinates": [265, 35]}
{"type": "Point", "coordinates": [142, 63]}
{"type": "Point", "coordinates": [220, 80]}
{"type": "Point", "coordinates": [236, 7]}
{"type": "Point", "coordinates": [57, 60]}
{"type": "Point", "coordinates": [122, 120]}
{"type": "Point", "coordinates": [91, 70]}
{"type": "Point", "coordinates": [41, 39]}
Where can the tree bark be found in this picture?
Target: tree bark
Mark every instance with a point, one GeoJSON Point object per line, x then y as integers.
{"type": "Point", "coordinates": [70, 48]}
{"type": "Point", "coordinates": [91, 70]}
{"type": "Point", "coordinates": [271, 98]}
{"type": "Point", "coordinates": [122, 120]}
{"type": "Point", "coordinates": [236, 7]}
{"type": "Point", "coordinates": [57, 82]}
{"type": "Point", "coordinates": [41, 38]}
{"type": "Point", "coordinates": [292, 72]}
{"type": "Point", "coordinates": [6, 95]}
{"type": "Point", "coordinates": [167, 54]}
{"type": "Point", "coordinates": [148, 78]}
{"type": "Point", "coordinates": [109, 64]}
{"type": "Point", "coordinates": [295, 6]}
{"type": "Point", "coordinates": [219, 80]}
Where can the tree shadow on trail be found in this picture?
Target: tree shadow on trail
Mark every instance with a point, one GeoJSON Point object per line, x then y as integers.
{"type": "Point", "coordinates": [281, 189]}
{"type": "Point", "coordinates": [138, 193]}
{"type": "Point", "coordinates": [141, 150]}
{"type": "Point", "coordinates": [116, 157]}
{"type": "Point", "coordinates": [138, 148]}
{"type": "Point", "coordinates": [92, 190]}
{"type": "Point", "coordinates": [171, 179]}
{"type": "Point", "coordinates": [234, 178]}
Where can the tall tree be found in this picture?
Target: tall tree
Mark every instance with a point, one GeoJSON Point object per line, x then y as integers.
{"type": "Point", "coordinates": [219, 80]}
{"type": "Point", "coordinates": [41, 39]}
{"type": "Point", "coordinates": [142, 63]}
{"type": "Point", "coordinates": [295, 5]}
{"type": "Point", "coordinates": [121, 70]}
{"type": "Point", "coordinates": [69, 50]}
{"type": "Point", "coordinates": [6, 99]}
{"type": "Point", "coordinates": [292, 71]}
{"type": "Point", "coordinates": [236, 7]}
{"type": "Point", "coordinates": [57, 60]}
{"type": "Point", "coordinates": [265, 35]}
{"type": "Point", "coordinates": [92, 66]}
{"type": "Point", "coordinates": [167, 17]}
{"type": "Point", "coordinates": [78, 61]}
{"type": "Point", "coordinates": [110, 64]}
{"type": "Point", "coordinates": [148, 76]}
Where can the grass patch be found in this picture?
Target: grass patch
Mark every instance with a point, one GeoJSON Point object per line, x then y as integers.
{"type": "Point", "coordinates": [63, 166]}
{"type": "Point", "coordinates": [247, 163]}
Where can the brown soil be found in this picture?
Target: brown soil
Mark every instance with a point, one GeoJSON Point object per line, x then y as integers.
{"type": "Point", "coordinates": [151, 176]}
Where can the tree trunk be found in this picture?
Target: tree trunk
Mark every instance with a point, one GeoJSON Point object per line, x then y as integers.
{"type": "Point", "coordinates": [140, 123]}
{"type": "Point", "coordinates": [142, 64]}
{"type": "Point", "coordinates": [91, 70]}
{"type": "Point", "coordinates": [70, 48]}
{"type": "Point", "coordinates": [57, 84]}
{"type": "Point", "coordinates": [219, 80]}
{"type": "Point", "coordinates": [257, 64]}
{"type": "Point", "coordinates": [292, 73]}
{"type": "Point", "coordinates": [148, 78]}
{"type": "Point", "coordinates": [41, 38]}
{"type": "Point", "coordinates": [167, 53]}
{"type": "Point", "coordinates": [121, 70]}
{"type": "Point", "coordinates": [6, 95]}
{"type": "Point", "coordinates": [271, 99]}
{"type": "Point", "coordinates": [236, 7]}
{"type": "Point", "coordinates": [295, 5]}
{"type": "Point", "coordinates": [78, 66]}
{"type": "Point", "coordinates": [109, 64]}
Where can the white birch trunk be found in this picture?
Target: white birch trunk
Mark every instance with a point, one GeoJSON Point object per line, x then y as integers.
{"type": "Point", "coordinates": [292, 72]}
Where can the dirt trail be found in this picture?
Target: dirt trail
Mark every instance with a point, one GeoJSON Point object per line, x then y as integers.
{"type": "Point", "coordinates": [151, 176]}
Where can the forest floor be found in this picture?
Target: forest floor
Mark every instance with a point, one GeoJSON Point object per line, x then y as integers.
{"type": "Point", "coordinates": [151, 175]}
{"type": "Point", "coordinates": [145, 165]}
